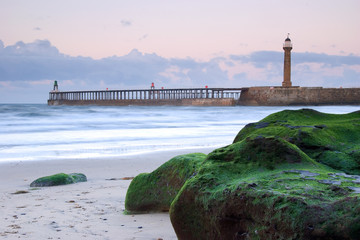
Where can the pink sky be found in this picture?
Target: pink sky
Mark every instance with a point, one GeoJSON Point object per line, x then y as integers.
{"type": "Point", "coordinates": [200, 29]}
{"type": "Point", "coordinates": [188, 43]}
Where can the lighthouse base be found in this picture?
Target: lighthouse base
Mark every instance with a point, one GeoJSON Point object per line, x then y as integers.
{"type": "Point", "coordinates": [286, 84]}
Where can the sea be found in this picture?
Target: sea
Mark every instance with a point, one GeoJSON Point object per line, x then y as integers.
{"type": "Point", "coordinates": [35, 132]}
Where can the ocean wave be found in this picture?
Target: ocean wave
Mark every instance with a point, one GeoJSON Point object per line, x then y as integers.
{"type": "Point", "coordinates": [40, 132]}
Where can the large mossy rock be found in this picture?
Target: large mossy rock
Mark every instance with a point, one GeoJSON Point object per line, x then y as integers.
{"type": "Point", "coordinates": [331, 139]}
{"type": "Point", "coordinates": [59, 179]}
{"type": "Point", "coordinates": [266, 188]}
{"type": "Point", "coordinates": [293, 175]}
{"type": "Point", "coordinates": [153, 192]}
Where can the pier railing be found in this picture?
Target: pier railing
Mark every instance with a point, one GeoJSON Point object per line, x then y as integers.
{"type": "Point", "coordinates": [146, 94]}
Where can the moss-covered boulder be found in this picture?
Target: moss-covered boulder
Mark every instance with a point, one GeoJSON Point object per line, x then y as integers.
{"type": "Point", "coordinates": [293, 175]}
{"type": "Point", "coordinates": [59, 179]}
{"type": "Point", "coordinates": [266, 188]}
{"type": "Point", "coordinates": [151, 192]}
{"type": "Point", "coordinates": [331, 139]}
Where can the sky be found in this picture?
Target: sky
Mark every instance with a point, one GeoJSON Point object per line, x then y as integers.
{"type": "Point", "coordinates": [120, 44]}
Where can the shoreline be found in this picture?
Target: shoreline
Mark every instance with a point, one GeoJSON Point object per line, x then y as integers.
{"type": "Point", "coordinates": [91, 210]}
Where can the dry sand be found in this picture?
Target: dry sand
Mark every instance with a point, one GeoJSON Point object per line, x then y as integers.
{"type": "Point", "coordinates": [89, 210]}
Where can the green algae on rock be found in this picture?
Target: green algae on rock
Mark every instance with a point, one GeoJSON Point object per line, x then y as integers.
{"type": "Point", "coordinates": [151, 192]}
{"type": "Point", "coordinates": [293, 175]}
{"type": "Point", "coordinates": [331, 139]}
{"type": "Point", "coordinates": [266, 188]}
{"type": "Point", "coordinates": [59, 179]}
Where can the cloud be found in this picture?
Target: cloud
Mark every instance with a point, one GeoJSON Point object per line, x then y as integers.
{"type": "Point", "coordinates": [261, 58]}
{"type": "Point", "coordinates": [143, 37]}
{"type": "Point", "coordinates": [32, 67]}
{"type": "Point", "coordinates": [37, 29]}
{"type": "Point", "coordinates": [174, 74]}
{"type": "Point", "coordinates": [126, 23]}
{"type": "Point", "coordinates": [308, 69]}
{"type": "Point", "coordinates": [41, 82]}
{"type": "Point", "coordinates": [35, 49]}
{"type": "Point", "coordinates": [330, 60]}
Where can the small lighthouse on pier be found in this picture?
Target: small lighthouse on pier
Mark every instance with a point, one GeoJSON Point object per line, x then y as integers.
{"type": "Point", "coordinates": [287, 62]}
{"type": "Point", "coordinates": [56, 87]}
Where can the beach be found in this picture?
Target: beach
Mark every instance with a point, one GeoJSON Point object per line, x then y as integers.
{"type": "Point", "coordinates": [103, 143]}
{"type": "Point", "coordinates": [88, 210]}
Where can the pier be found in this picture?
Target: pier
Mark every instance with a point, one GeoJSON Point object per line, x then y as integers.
{"type": "Point", "coordinates": [184, 96]}
{"type": "Point", "coordinates": [252, 96]}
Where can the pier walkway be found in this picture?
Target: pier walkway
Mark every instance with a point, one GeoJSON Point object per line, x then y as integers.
{"type": "Point", "coordinates": [185, 96]}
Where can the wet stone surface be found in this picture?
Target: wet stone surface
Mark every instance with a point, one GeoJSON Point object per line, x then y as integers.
{"type": "Point", "coordinates": [303, 173]}
{"type": "Point", "coordinates": [355, 189]}
{"type": "Point", "coordinates": [330, 182]}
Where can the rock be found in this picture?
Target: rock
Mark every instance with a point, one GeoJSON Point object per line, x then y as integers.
{"type": "Point", "coordinates": [154, 192]}
{"type": "Point", "coordinates": [303, 173]}
{"type": "Point", "coordinates": [280, 179]}
{"type": "Point", "coordinates": [21, 192]}
{"type": "Point", "coordinates": [78, 177]}
{"type": "Point", "coordinates": [59, 179]}
{"type": "Point", "coordinates": [326, 181]}
{"type": "Point", "coordinates": [320, 126]}
{"type": "Point", "coordinates": [261, 125]}
{"type": "Point", "coordinates": [331, 139]}
{"type": "Point", "coordinates": [355, 189]}
{"type": "Point", "coordinates": [255, 189]}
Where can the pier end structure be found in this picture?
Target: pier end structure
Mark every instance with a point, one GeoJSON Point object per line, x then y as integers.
{"type": "Point", "coordinates": [299, 96]}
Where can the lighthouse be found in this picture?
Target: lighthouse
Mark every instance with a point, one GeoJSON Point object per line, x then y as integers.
{"type": "Point", "coordinates": [287, 46]}
{"type": "Point", "coordinates": [56, 87]}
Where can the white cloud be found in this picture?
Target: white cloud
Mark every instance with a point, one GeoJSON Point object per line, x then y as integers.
{"type": "Point", "coordinates": [171, 73]}
{"type": "Point", "coordinates": [5, 84]}
{"type": "Point", "coordinates": [175, 75]}
{"type": "Point", "coordinates": [355, 68]}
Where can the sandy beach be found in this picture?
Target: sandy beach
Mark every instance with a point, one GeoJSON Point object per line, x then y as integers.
{"type": "Point", "coordinates": [89, 210]}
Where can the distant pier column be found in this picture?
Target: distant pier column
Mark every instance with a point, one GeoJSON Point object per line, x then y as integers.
{"type": "Point", "coordinates": [287, 63]}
